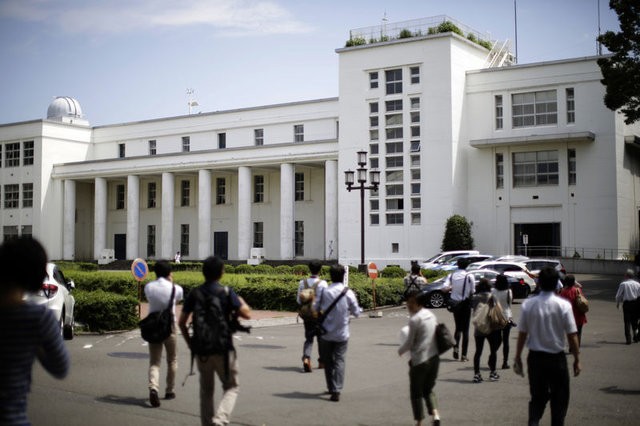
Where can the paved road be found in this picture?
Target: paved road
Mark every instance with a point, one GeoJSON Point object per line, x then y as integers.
{"type": "Point", "coordinates": [107, 385]}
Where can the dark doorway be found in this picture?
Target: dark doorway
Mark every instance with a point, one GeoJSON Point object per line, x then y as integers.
{"type": "Point", "coordinates": [120, 246]}
{"type": "Point", "coordinates": [542, 239]}
{"type": "Point", "coordinates": [221, 245]}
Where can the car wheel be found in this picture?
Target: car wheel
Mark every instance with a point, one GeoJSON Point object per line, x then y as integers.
{"type": "Point", "coordinates": [436, 299]}
{"type": "Point", "coordinates": [67, 331]}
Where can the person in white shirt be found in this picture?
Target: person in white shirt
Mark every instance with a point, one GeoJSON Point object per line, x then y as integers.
{"type": "Point", "coordinates": [629, 295]}
{"type": "Point", "coordinates": [425, 361]}
{"type": "Point", "coordinates": [158, 294]}
{"type": "Point", "coordinates": [544, 321]}
{"type": "Point", "coordinates": [463, 286]}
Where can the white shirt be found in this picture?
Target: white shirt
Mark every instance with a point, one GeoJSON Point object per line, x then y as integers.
{"type": "Point", "coordinates": [628, 291]}
{"type": "Point", "coordinates": [421, 338]}
{"type": "Point", "coordinates": [158, 293]}
{"type": "Point", "coordinates": [456, 281]}
{"type": "Point", "coordinates": [547, 319]}
{"type": "Point", "coordinates": [337, 321]}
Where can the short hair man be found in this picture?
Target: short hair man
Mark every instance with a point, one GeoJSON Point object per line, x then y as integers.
{"type": "Point", "coordinates": [629, 295]}
{"type": "Point", "coordinates": [307, 288]}
{"type": "Point", "coordinates": [545, 320]}
{"type": "Point", "coordinates": [158, 294]}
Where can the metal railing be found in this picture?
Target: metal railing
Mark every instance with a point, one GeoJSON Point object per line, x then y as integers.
{"type": "Point", "coordinates": [599, 253]}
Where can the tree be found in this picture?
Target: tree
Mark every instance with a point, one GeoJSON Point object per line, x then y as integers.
{"type": "Point", "coordinates": [457, 234]}
{"type": "Point", "coordinates": [621, 71]}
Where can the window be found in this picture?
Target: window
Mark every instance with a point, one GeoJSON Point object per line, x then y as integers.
{"type": "Point", "coordinates": [373, 121]}
{"type": "Point", "coordinates": [415, 161]}
{"type": "Point", "coordinates": [415, 203]}
{"type": "Point", "coordinates": [534, 108]}
{"type": "Point", "coordinates": [12, 155]}
{"type": "Point", "coordinates": [258, 137]}
{"type": "Point", "coordinates": [394, 133]}
{"type": "Point", "coordinates": [374, 219]}
{"type": "Point", "coordinates": [222, 140]}
{"type": "Point", "coordinates": [121, 150]}
{"type": "Point", "coordinates": [373, 108]}
{"type": "Point", "coordinates": [415, 117]}
{"type": "Point", "coordinates": [394, 176]}
{"type": "Point", "coordinates": [151, 195]}
{"type": "Point", "coordinates": [27, 231]}
{"type": "Point", "coordinates": [27, 195]}
{"type": "Point", "coordinates": [120, 197]}
{"type": "Point", "coordinates": [151, 240]}
{"type": "Point", "coordinates": [373, 148]}
{"type": "Point", "coordinates": [393, 105]}
{"type": "Point", "coordinates": [373, 162]}
{"type": "Point", "coordinates": [499, 170]}
{"type": "Point", "coordinates": [395, 219]}
{"type": "Point", "coordinates": [152, 147]}
{"type": "Point", "coordinates": [373, 135]}
{"type": "Point", "coordinates": [258, 189]}
{"type": "Point", "coordinates": [11, 196]}
{"type": "Point", "coordinates": [415, 174]}
{"type": "Point", "coordinates": [299, 187]}
{"type": "Point", "coordinates": [394, 81]}
{"type": "Point", "coordinates": [373, 80]}
{"type": "Point", "coordinates": [394, 162]}
{"type": "Point", "coordinates": [415, 189]}
{"type": "Point", "coordinates": [9, 232]}
{"type": "Point", "coordinates": [258, 234]}
{"type": "Point", "coordinates": [499, 111]}
{"type": "Point", "coordinates": [185, 193]}
{"type": "Point", "coordinates": [27, 153]}
{"type": "Point", "coordinates": [394, 147]}
{"type": "Point", "coordinates": [571, 106]}
{"type": "Point", "coordinates": [184, 239]}
{"type": "Point", "coordinates": [415, 146]}
{"type": "Point", "coordinates": [0, 155]}
{"type": "Point", "coordinates": [393, 120]}
{"type": "Point", "coordinates": [571, 166]}
{"type": "Point", "coordinates": [395, 204]}
{"type": "Point", "coordinates": [221, 191]}
{"type": "Point", "coordinates": [374, 205]}
{"type": "Point", "coordinates": [299, 238]}
{"type": "Point", "coordinates": [415, 103]}
{"type": "Point", "coordinates": [415, 218]}
{"type": "Point", "coordinates": [415, 75]}
{"type": "Point", "coordinates": [394, 190]}
{"type": "Point", "coordinates": [186, 143]}
{"type": "Point", "coordinates": [535, 168]}
{"type": "Point", "coordinates": [298, 133]}
{"type": "Point", "coordinates": [415, 131]}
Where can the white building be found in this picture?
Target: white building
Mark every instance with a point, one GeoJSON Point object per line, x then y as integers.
{"type": "Point", "coordinates": [517, 149]}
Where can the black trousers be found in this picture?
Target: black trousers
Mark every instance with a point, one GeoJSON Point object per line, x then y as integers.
{"type": "Point", "coordinates": [548, 381]}
{"type": "Point", "coordinates": [630, 315]}
{"type": "Point", "coordinates": [462, 318]}
{"type": "Point", "coordinates": [494, 339]}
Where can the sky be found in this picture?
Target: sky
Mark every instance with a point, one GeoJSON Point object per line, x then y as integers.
{"type": "Point", "coordinates": [131, 60]}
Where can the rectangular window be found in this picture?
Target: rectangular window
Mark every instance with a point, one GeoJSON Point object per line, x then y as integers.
{"type": "Point", "coordinates": [299, 187]}
{"type": "Point", "coordinates": [415, 218]}
{"type": "Point", "coordinates": [258, 137]}
{"type": "Point", "coordinates": [393, 120]}
{"type": "Point", "coordinates": [395, 204]}
{"type": "Point", "coordinates": [9, 232]}
{"type": "Point", "coordinates": [258, 234]}
{"type": "Point", "coordinates": [11, 196]}
{"type": "Point", "coordinates": [298, 133]}
{"type": "Point", "coordinates": [152, 147]}
{"type": "Point", "coordinates": [415, 189]}
{"type": "Point", "coordinates": [27, 153]}
{"type": "Point", "coordinates": [374, 148]}
{"type": "Point", "coordinates": [395, 218]}
{"type": "Point", "coordinates": [186, 143]}
{"type": "Point", "coordinates": [27, 195]}
{"type": "Point", "coordinates": [415, 174]}
{"type": "Point", "coordinates": [499, 170]}
{"type": "Point", "coordinates": [258, 189]}
{"type": "Point", "coordinates": [373, 108]}
{"type": "Point", "coordinates": [415, 161]}
{"type": "Point", "coordinates": [185, 193]}
{"type": "Point", "coordinates": [393, 79]}
{"type": "Point", "coordinates": [415, 203]}
{"type": "Point", "coordinates": [373, 80]}
{"type": "Point", "coordinates": [394, 176]}
{"type": "Point", "coordinates": [393, 105]}
{"type": "Point", "coordinates": [535, 168]}
{"type": "Point", "coordinates": [184, 239]}
{"type": "Point", "coordinates": [415, 146]}
{"type": "Point", "coordinates": [121, 150]}
{"type": "Point", "coordinates": [373, 135]}
{"type": "Point", "coordinates": [395, 248]}
{"type": "Point", "coordinates": [27, 231]}
{"type": "Point", "coordinates": [222, 140]}
{"type": "Point", "coordinates": [394, 133]}
{"type": "Point", "coordinates": [299, 238]}
{"type": "Point", "coordinates": [151, 240]}
{"type": "Point", "coordinates": [221, 191]}
{"type": "Point", "coordinates": [415, 131]}
{"type": "Point", "coordinates": [374, 205]}
{"type": "Point", "coordinates": [415, 75]}
{"type": "Point", "coordinates": [499, 112]}
{"type": "Point", "coordinates": [415, 117]}
{"type": "Point", "coordinates": [151, 195]}
{"type": "Point", "coordinates": [0, 155]}
{"type": "Point", "coordinates": [571, 166]}
{"type": "Point", "coordinates": [534, 108]}
{"type": "Point", "coordinates": [415, 103]}
{"type": "Point", "coordinates": [120, 197]}
{"type": "Point", "coordinates": [373, 121]}
{"type": "Point", "coordinates": [394, 161]}
{"type": "Point", "coordinates": [12, 155]}
{"type": "Point", "coordinates": [374, 219]}
{"type": "Point", "coordinates": [571, 106]}
{"type": "Point", "coordinates": [394, 190]}
{"type": "Point", "coordinates": [393, 147]}
{"type": "Point", "coordinates": [373, 162]}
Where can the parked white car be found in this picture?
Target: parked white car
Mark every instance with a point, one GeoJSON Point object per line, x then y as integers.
{"type": "Point", "coordinates": [55, 294]}
{"type": "Point", "coordinates": [513, 269]}
{"type": "Point", "coordinates": [443, 257]}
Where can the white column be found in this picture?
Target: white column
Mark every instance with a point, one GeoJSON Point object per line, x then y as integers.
{"type": "Point", "coordinates": [100, 217]}
{"type": "Point", "coordinates": [166, 234]}
{"type": "Point", "coordinates": [69, 224]}
{"type": "Point", "coordinates": [244, 212]}
{"type": "Point", "coordinates": [331, 209]}
{"type": "Point", "coordinates": [133, 216]}
{"type": "Point", "coordinates": [204, 214]}
{"type": "Point", "coordinates": [287, 189]}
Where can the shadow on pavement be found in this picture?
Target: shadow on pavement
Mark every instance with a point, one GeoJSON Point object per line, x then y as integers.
{"type": "Point", "coordinates": [286, 368]}
{"type": "Point", "coordinates": [298, 395]}
{"type": "Point", "coordinates": [616, 390]}
{"type": "Point", "coordinates": [125, 400]}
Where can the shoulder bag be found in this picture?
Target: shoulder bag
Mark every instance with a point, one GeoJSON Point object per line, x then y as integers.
{"type": "Point", "coordinates": [497, 320]}
{"type": "Point", "coordinates": [581, 302]}
{"type": "Point", "coordinates": [157, 326]}
{"type": "Point", "coordinates": [454, 305]}
{"type": "Point", "coordinates": [319, 329]}
{"type": "Point", "coordinates": [444, 339]}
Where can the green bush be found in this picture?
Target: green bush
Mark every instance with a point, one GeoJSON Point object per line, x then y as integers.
{"type": "Point", "coordinates": [75, 266]}
{"type": "Point", "coordinates": [244, 269]}
{"type": "Point", "coordinates": [405, 33]}
{"type": "Point", "coordinates": [283, 269]}
{"type": "Point", "coordinates": [457, 234]}
{"type": "Point", "coordinates": [229, 269]}
{"type": "Point", "coordinates": [119, 282]}
{"type": "Point", "coordinates": [486, 44]}
{"type": "Point", "coordinates": [472, 37]}
{"type": "Point", "coordinates": [393, 272]}
{"type": "Point", "coordinates": [355, 41]}
{"type": "Point", "coordinates": [302, 269]}
{"type": "Point", "coordinates": [449, 27]}
{"type": "Point", "coordinates": [103, 311]}
{"type": "Point", "coordinates": [432, 31]}
{"type": "Point", "coordinates": [263, 269]}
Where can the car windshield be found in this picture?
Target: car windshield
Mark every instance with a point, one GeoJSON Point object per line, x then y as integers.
{"type": "Point", "coordinates": [432, 259]}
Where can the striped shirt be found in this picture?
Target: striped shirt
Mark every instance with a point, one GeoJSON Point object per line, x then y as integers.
{"type": "Point", "coordinates": [26, 331]}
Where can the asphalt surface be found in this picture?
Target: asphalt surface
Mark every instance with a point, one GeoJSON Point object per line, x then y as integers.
{"type": "Point", "coordinates": [108, 381]}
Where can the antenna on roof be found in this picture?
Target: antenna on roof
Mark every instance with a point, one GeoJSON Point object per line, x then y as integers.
{"type": "Point", "coordinates": [192, 102]}
{"type": "Point", "coordinates": [599, 45]}
{"type": "Point", "coordinates": [384, 25]}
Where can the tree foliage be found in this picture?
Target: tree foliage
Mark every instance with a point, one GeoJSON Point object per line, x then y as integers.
{"type": "Point", "coordinates": [621, 71]}
{"type": "Point", "coordinates": [457, 234]}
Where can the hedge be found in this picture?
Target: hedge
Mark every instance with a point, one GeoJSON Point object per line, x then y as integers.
{"type": "Point", "coordinates": [104, 311]}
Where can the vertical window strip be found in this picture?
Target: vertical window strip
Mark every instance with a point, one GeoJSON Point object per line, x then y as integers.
{"type": "Point", "coordinates": [571, 105]}
{"type": "Point", "coordinates": [499, 112]}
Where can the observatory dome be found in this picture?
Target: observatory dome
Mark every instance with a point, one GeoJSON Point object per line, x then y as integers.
{"type": "Point", "coordinates": [63, 107]}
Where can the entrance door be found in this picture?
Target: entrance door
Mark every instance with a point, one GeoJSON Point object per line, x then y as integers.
{"type": "Point", "coordinates": [221, 245]}
{"type": "Point", "coordinates": [120, 246]}
{"type": "Point", "coordinates": [542, 239]}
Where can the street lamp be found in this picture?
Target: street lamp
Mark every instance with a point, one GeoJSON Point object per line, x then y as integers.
{"type": "Point", "coordinates": [349, 180]}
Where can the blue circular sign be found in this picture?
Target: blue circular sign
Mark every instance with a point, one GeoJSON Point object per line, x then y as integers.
{"type": "Point", "coordinates": [139, 269]}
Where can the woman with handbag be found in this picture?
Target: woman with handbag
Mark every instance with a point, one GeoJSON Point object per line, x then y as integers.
{"type": "Point", "coordinates": [504, 296]}
{"type": "Point", "coordinates": [481, 303]}
{"type": "Point", "coordinates": [570, 292]}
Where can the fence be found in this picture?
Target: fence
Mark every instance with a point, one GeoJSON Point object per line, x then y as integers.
{"type": "Point", "coordinates": [598, 253]}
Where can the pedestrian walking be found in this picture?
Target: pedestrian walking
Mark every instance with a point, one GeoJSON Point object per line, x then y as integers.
{"type": "Point", "coordinates": [570, 292]}
{"type": "Point", "coordinates": [544, 321]}
{"type": "Point", "coordinates": [480, 301]}
{"type": "Point", "coordinates": [159, 294]}
{"type": "Point", "coordinates": [333, 344]}
{"type": "Point", "coordinates": [307, 289]}
{"type": "Point", "coordinates": [424, 362]}
{"type": "Point", "coordinates": [462, 288]}
{"type": "Point", "coordinates": [413, 280]}
{"type": "Point", "coordinates": [503, 294]}
{"type": "Point", "coordinates": [629, 295]}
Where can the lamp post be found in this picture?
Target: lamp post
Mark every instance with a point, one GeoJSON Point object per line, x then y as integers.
{"type": "Point", "coordinates": [349, 180]}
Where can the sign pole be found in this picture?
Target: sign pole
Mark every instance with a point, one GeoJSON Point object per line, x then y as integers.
{"type": "Point", "coordinates": [373, 274]}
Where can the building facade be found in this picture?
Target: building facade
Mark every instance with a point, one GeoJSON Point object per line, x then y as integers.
{"type": "Point", "coordinates": [528, 153]}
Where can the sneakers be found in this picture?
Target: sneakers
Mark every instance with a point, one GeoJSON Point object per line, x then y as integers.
{"type": "Point", "coordinates": [493, 376]}
{"type": "Point", "coordinates": [464, 358]}
{"type": "Point", "coordinates": [306, 364]}
{"type": "Point", "coordinates": [170, 395]}
{"type": "Point", "coordinates": [505, 365]}
{"type": "Point", "coordinates": [455, 353]}
{"type": "Point", "coordinates": [477, 378]}
{"type": "Point", "coordinates": [153, 398]}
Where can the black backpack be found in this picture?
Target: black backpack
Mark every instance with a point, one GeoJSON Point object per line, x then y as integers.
{"type": "Point", "coordinates": [211, 329]}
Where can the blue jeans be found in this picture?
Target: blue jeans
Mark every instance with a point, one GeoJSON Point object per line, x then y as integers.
{"type": "Point", "coordinates": [333, 355]}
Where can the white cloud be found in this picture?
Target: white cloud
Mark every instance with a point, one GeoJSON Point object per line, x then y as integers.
{"type": "Point", "coordinates": [246, 17]}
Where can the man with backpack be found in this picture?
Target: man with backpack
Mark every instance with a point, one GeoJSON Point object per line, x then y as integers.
{"type": "Point", "coordinates": [306, 295]}
{"type": "Point", "coordinates": [413, 281]}
{"type": "Point", "coordinates": [214, 308]}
